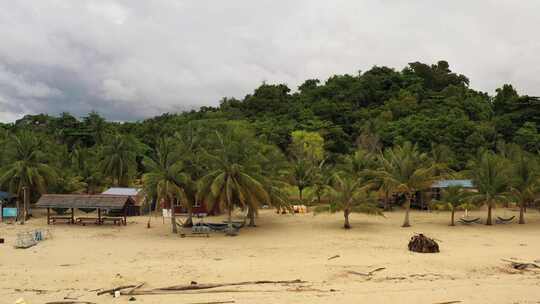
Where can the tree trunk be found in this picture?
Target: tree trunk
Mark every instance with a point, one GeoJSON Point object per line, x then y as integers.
{"type": "Point", "coordinates": [386, 201]}
{"type": "Point", "coordinates": [406, 222]}
{"type": "Point", "coordinates": [189, 221]}
{"type": "Point", "coordinates": [452, 222]}
{"type": "Point", "coordinates": [251, 215]}
{"type": "Point", "coordinates": [173, 218]}
{"type": "Point", "coordinates": [488, 222]}
{"type": "Point", "coordinates": [18, 202]}
{"type": "Point", "coordinates": [25, 205]}
{"type": "Point", "coordinates": [300, 193]}
{"type": "Point", "coordinates": [229, 211]}
{"type": "Point", "coordinates": [150, 213]}
{"type": "Point", "coordinates": [522, 212]}
{"type": "Point", "coordinates": [346, 213]}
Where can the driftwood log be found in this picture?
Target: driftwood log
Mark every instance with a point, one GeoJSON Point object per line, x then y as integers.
{"type": "Point", "coordinates": [70, 302]}
{"type": "Point", "coordinates": [195, 287]}
{"type": "Point", "coordinates": [113, 290]}
{"type": "Point", "coordinates": [207, 286]}
{"type": "Point", "coordinates": [367, 274]}
{"type": "Point", "coordinates": [423, 244]}
{"type": "Point", "coordinates": [522, 265]}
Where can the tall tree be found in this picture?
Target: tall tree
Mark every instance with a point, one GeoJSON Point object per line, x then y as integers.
{"type": "Point", "coordinates": [453, 198]}
{"type": "Point", "coordinates": [490, 176]}
{"type": "Point", "coordinates": [167, 180]}
{"type": "Point", "coordinates": [349, 195]}
{"type": "Point", "coordinates": [119, 158]}
{"type": "Point", "coordinates": [405, 170]}
{"type": "Point", "coordinates": [27, 166]}
{"type": "Point", "coordinates": [231, 183]}
{"type": "Point", "coordinates": [524, 181]}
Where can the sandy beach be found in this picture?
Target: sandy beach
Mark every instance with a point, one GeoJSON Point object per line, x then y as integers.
{"type": "Point", "coordinates": [79, 260]}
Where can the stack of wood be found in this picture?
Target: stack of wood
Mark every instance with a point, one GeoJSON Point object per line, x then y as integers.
{"type": "Point", "coordinates": [423, 244]}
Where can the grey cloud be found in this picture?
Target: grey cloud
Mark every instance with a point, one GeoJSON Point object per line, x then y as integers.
{"type": "Point", "coordinates": [130, 59]}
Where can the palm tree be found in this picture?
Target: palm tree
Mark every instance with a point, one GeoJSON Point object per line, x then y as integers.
{"type": "Point", "coordinates": [167, 180]}
{"type": "Point", "coordinates": [97, 126]}
{"type": "Point", "coordinates": [83, 164]}
{"type": "Point", "coordinates": [489, 174]}
{"type": "Point", "coordinates": [453, 197]}
{"type": "Point", "coordinates": [231, 183]}
{"type": "Point", "coordinates": [27, 166]}
{"type": "Point", "coordinates": [405, 170]}
{"type": "Point", "coordinates": [119, 158]}
{"type": "Point", "coordinates": [525, 181]}
{"type": "Point", "coordinates": [302, 176]}
{"type": "Point", "coordinates": [350, 195]}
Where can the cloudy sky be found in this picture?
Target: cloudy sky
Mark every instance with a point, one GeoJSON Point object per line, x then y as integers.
{"type": "Point", "coordinates": [130, 59]}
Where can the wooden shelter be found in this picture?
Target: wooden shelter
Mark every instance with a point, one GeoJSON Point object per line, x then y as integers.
{"type": "Point", "coordinates": [115, 207]}
{"type": "Point", "coordinates": [135, 193]}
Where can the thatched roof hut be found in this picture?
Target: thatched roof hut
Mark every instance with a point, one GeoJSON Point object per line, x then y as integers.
{"type": "Point", "coordinates": [84, 201]}
{"type": "Point", "coordinates": [115, 205]}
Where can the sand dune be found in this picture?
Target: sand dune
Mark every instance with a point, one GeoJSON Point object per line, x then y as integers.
{"type": "Point", "coordinates": [283, 247]}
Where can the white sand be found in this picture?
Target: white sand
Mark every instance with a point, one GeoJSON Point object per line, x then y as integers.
{"type": "Point", "coordinates": [283, 247]}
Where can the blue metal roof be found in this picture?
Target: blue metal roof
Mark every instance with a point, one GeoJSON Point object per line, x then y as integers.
{"type": "Point", "coordinates": [445, 183]}
{"type": "Point", "coordinates": [6, 195]}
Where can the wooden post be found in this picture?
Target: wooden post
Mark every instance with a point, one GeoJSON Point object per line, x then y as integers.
{"type": "Point", "coordinates": [72, 215]}
{"type": "Point", "coordinates": [125, 214]}
{"type": "Point", "coordinates": [99, 216]}
{"type": "Point", "coordinates": [25, 205]}
{"type": "Point", "coordinates": [18, 206]}
{"type": "Point", "coordinates": [48, 216]}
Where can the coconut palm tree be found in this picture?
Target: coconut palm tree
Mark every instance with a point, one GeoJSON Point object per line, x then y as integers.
{"type": "Point", "coordinates": [232, 183]}
{"type": "Point", "coordinates": [452, 198]}
{"type": "Point", "coordinates": [166, 179]}
{"type": "Point", "coordinates": [490, 176]}
{"type": "Point", "coordinates": [119, 158]}
{"type": "Point", "coordinates": [405, 170]}
{"type": "Point", "coordinates": [349, 195]}
{"type": "Point", "coordinates": [27, 166]}
{"type": "Point", "coordinates": [525, 181]}
{"type": "Point", "coordinates": [302, 176]}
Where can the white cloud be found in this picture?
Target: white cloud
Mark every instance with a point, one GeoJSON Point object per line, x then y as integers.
{"type": "Point", "coordinates": [162, 55]}
{"type": "Point", "coordinates": [115, 90]}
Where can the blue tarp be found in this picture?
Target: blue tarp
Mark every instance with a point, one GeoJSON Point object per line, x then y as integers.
{"type": "Point", "coordinates": [9, 212]}
{"type": "Point", "coordinates": [6, 195]}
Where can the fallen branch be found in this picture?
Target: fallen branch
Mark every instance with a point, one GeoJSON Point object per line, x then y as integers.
{"type": "Point", "coordinates": [521, 265]}
{"type": "Point", "coordinates": [70, 302]}
{"type": "Point", "coordinates": [135, 288]}
{"type": "Point", "coordinates": [208, 286]}
{"type": "Point", "coordinates": [204, 291]}
{"type": "Point", "coordinates": [448, 302]}
{"type": "Point", "coordinates": [113, 290]}
{"type": "Point", "coordinates": [368, 273]}
{"type": "Point", "coordinates": [214, 302]}
{"type": "Point", "coordinates": [334, 257]}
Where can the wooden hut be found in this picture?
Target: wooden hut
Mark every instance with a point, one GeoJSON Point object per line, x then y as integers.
{"type": "Point", "coordinates": [110, 208]}
{"type": "Point", "coordinates": [438, 186]}
{"type": "Point", "coordinates": [135, 193]}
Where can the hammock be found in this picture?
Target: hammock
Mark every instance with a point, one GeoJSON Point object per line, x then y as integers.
{"type": "Point", "coordinates": [469, 221]}
{"type": "Point", "coordinates": [502, 220]}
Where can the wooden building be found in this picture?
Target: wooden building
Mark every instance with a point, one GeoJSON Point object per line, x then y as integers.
{"type": "Point", "coordinates": [110, 208]}
{"type": "Point", "coordinates": [136, 194]}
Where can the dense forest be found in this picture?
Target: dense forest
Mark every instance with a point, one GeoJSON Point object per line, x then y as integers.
{"type": "Point", "coordinates": [322, 140]}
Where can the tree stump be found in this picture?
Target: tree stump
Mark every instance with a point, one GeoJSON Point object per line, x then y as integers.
{"type": "Point", "coordinates": [423, 244]}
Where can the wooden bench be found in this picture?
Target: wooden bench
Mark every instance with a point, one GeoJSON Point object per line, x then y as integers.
{"type": "Point", "coordinates": [84, 220]}
{"type": "Point", "coordinates": [57, 218]}
{"type": "Point", "coordinates": [114, 220]}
